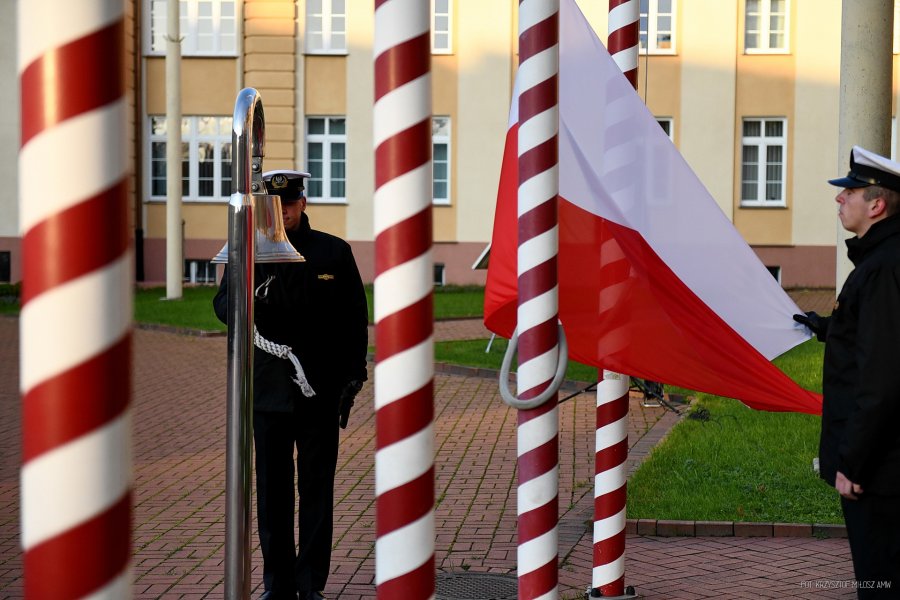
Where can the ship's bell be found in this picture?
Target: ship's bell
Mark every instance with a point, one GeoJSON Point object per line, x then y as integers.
{"type": "Point", "coordinates": [272, 244]}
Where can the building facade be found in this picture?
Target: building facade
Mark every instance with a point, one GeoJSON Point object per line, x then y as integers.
{"type": "Point", "coordinates": [748, 90]}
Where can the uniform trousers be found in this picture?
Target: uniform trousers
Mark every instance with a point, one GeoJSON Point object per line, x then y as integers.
{"type": "Point", "coordinates": [873, 529]}
{"type": "Point", "coordinates": [312, 429]}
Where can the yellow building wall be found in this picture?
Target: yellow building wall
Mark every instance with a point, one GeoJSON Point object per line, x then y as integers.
{"type": "Point", "coordinates": [208, 86]}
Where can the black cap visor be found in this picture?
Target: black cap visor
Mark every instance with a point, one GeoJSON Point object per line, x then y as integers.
{"type": "Point", "coordinates": [851, 181]}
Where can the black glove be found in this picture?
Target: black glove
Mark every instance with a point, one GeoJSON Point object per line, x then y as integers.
{"type": "Point", "coordinates": [346, 400]}
{"type": "Point", "coordinates": [817, 324]}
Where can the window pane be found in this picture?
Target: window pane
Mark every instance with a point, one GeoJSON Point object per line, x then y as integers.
{"type": "Point", "coordinates": [776, 6]}
{"type": "Point", "coordinates": [664, 41]}
{"type": "Point", "coordinates": [441, 23]}
{"type": "Point", "coordinates": [338, 41]}
{"type": "Point", "coordinates": [337, 189]}
{"type": "Point", "coordinates": [207, 125]}
{"type": "Point", "coordinates": [226, 170]}
{"type": "Point", "coordinates": [158, 125]}
{"type": "Point", "coordinates": [314, 151]}
{"type": "Point", "coordinates": [442, 6]}
{"type": "Point", "coordinates": [316, 126]}
{"type": "Point", "coordinates": [337, 7]}
{"type": "Point", "coordinates": [664, 6]}
{"type": "Point", "coordinates": [753, 6]}
{"type": "Point", "coordinates": [440, 152]}
{"type": "Point", "coordinates": [774, 128]}
{"type": "Point", "coordinates": [664, 23]}
{"type": "Point", "coordinates": [314, 7]}
{"type": "Point", "coordinates": [338, 25]}
{"type": "Point", "coordinates": [440, 170]}
{"type": "Point", "coordinates": [336, 126]}
{"type": "Point", "coordinates": [441, 41]}
{"type": "Point", "coordinates": [439, 190]}
{"type": "Point", "coordinates": [776, 40]}
{"type": "Point", "coordinates": [751, 129]}
{"type": "Point", "coordinates": [751, 40]}
{"type": "Point", "coordinates": [337, 151]}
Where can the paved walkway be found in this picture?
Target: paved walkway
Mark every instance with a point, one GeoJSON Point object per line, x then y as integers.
{"type": "Point", "coordinates": [179, 439]}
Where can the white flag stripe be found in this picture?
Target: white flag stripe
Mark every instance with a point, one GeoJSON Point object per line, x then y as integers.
{"type": "Point", "coordinates": [403, 285]}
{"type": "Point", "coordinates": [56, 342]}
{"type": "Point", "coordinates": [606, 574]}
{"type": "Point", "coordinates": [82, 152]}
{"type": "Point", "coordinates": [611, 526]}
{"type": "Point", "coordinates": [537, 492]}
{"type": "Point", "coordinates": [63, 22]}
{"type": "Point", "coordinates": [537, 552]}
{"type": "Point", "coordinates": [538, 249]}
{"type": "Point", "coordinates": [404, 550]}
{"type": "Point", "coordinates": [404, 461]}
{"type": "Point", "coordinates": [399, 21]}
{"type": "Point", "coordinates": [64, 488]}
{"type": "Point", "coordinates": [677, 216]}
{"type": "Point", "coordinates": [610, 435]}
{"type": "Point", "coordinates": [532, 12]}
{"type": "Point", "coordinates": [538, 129]}
{"type": "Point", "coordinates": [536, 190]}
{"type": "Point", "coordinates": [626, 60]}
{"type": "Point", "coordinates": [609, 480]}
{"type": "Point", "coordinates": [536, 432]}
{"type": "Point", "coordinates": [402, 108]}
{"type": "Point", "coordinates": [623, 15]}
{"type": "Point", "coordinates": [538, 68]}
{"type": "Point", "coordinates": [117, 589]}
{"type": "Point", "coordinates": [538, 310]}
{"type": "Point", "coordinates": [404, 373]}
{"type": "Point", "coordinates": [401, 198]}
{"type": "Point", "coordinates": [538, 370]}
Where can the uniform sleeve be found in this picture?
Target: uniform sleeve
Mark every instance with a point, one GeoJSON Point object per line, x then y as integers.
{"type": "Point", "coordinates": [357, 319]}
{"type": "Point", "coordinates": [878, 395]}
{"type": "Point", "coordinates": [220, 301]}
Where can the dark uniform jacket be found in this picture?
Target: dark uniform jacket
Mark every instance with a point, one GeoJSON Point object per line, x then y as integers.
{"type": "Point", "coordinates": [861, 374]}
{"type": "Point", "coordinates": [318, 308]}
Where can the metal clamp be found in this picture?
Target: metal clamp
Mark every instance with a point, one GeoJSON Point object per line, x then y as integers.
{"type": "Point", "coordinates": [561, 364]}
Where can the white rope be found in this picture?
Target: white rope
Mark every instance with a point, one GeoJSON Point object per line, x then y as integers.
{"type": "Point", "coordinates": [282, 351]}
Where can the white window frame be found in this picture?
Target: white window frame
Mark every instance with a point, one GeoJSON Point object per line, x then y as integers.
{"type": "Point", "coordinates": [764, 31]}
{"type": "Point", "coordinates": [155, 15]}
{"type": "Point", "coordinates": [328, 140]}
{"type": "Point", "coordinates": [329, 18]}
{"type": "Point", "coordinates": [667, 124]}
{"type": "Point", "coordinates": [435, 30]}
{"type": "Point", "coordinates": [649, 27]}
{"type": "Point", "coordinates": [437, 138]}
{"type": "Point", "coordinates": [191, 137]}
{"type": "Point", "coordinates": [762, 143]}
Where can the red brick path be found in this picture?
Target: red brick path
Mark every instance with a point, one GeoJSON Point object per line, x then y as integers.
{"type": "Point", "coordinates": [179, 440]}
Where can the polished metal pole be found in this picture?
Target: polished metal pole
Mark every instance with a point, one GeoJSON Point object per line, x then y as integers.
{"type": "Point", "coordinates": [247, 141]}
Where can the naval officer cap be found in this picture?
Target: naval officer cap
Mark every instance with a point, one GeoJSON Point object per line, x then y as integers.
{"type": "Point", "coordinates": [868, 168]}
{"type": "Point", "coordinates": [285, 183]}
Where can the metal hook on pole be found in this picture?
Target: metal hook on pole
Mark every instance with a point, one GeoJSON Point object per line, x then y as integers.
{"type": "Point", "coordinates": [562, 361]}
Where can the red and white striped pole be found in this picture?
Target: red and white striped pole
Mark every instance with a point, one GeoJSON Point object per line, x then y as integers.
{"type": "Point", "coordinates": [537, 315]}
{"type": "Point", "coordinates": [611, 450]}
{"type": "Point", "coordinates": [75, 347]}
{"type": "Point", "coordinates": [404, 322]}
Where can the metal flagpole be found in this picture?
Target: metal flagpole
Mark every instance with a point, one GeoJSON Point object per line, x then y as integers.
{"type": "Point", "coordinates": [75, 348]}
{"type": "Point", "coordinates": [404, 347]}
{"type": "Point", "coordinates": [537, 312]}
{"type": "Point", "coordinates": [611, 442]}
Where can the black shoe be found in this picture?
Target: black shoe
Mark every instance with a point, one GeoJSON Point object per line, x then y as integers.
{"type": "Point", "coordinates": [312, 596]}
{"type": "Point", "coordinates": [275, 595]}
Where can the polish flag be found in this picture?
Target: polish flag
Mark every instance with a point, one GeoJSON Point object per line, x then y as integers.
{"type": "Point", "coordinates": [654, 280]}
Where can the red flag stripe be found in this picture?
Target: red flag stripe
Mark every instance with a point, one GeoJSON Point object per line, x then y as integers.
{"type": "Point", "coordinates": [66, 233]}
{"type": "Point", "coordinates": [61, 407]}
{"type": "Point", "coordinates": [67, 566]}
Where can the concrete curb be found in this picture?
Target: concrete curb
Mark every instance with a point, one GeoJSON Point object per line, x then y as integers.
{"type": "Point", "coordinates": [674, 528]}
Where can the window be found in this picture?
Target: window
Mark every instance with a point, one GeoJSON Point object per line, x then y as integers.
{"type": "Point", "coordinates": [440, 153]}
{"type": "Point", "coordinates": [439, 274]}
{"type": "Point", "coordinates": [5, 267]}
{"type": "Point", "coordinates": [440, 27]}
{"type": "Point", "coordinates": [668, 125]}
{"type": "Point", "coordinates": [326, 27]}
{"type": "Point", "coordinates": [326, 159]}
{"type": "Point", "coordinates": [766, 26]}
{"type": "Point", "coordinates": [775, 272]}
{"type": "Point", "coordinates": [199, 270]}
{"type": "Point", "coordinates": [762, 162]}
{"type": "Point", "coordinates": [657, 31]}
{"type": "Point", "coordinates": [208, 27]}
{"type": "Point", "coordinates": [206, 158]}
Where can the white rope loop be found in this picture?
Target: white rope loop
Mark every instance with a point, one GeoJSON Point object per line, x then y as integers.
{"type": "Point", "coordinates": [283, 351]}
{"type": "Point", "coordinates": [561, 364]}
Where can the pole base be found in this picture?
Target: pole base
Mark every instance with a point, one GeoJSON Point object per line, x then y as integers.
{"type": "Point", "coordinates": [629, 594]}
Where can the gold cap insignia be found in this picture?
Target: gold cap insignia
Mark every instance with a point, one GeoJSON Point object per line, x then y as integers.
{"type": "Point", "coordinates": [279, 182]}
{"type": "Point", "coordinates": [326, 276]}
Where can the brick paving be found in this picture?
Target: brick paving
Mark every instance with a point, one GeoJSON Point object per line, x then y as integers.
{"type": "Point", "coordinates": [179, 439]}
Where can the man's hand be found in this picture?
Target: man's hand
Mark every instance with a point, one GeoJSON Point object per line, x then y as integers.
{"type": "Point", "coordinates": [847, 488]}
{"type": "Point", "coordinates": [346, 400]}
{"type": "Point", "coordinates": [815, 323]}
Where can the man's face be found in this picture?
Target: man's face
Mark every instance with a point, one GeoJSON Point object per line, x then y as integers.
{"type": "Point", "coordinates": [854, 210]}
{"type": "Point", "coordinates": [290, 213]}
